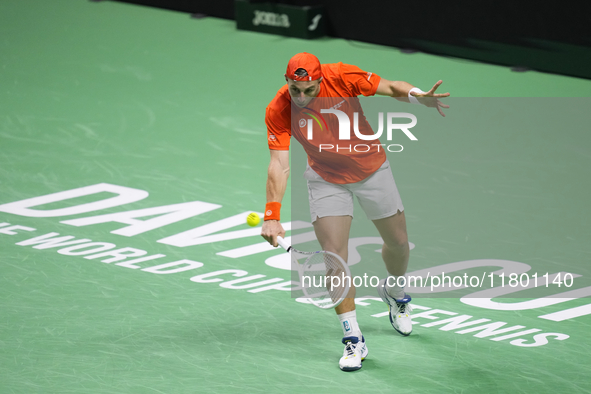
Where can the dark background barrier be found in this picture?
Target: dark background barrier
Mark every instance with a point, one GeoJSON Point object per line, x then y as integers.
{"type": "Point", "coordinates": [525, 35]}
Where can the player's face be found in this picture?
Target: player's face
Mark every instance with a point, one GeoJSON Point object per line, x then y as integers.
{"type": "Point", "coordinates": [302, 92]}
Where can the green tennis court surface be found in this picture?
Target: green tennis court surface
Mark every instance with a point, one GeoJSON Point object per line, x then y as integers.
{"type": "Point", "coordinates": [170, 110]}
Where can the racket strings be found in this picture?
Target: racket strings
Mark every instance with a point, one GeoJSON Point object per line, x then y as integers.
{"type": "Point", "coordinates": [328, 279]}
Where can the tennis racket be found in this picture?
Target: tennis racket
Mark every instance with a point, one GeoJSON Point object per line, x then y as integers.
{"type": "Point", "coordinates": [325, 278]}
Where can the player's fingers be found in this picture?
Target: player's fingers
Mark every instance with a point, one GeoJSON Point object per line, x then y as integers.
{"type": "Point", "coordinates": [440, 111]}
{"type": "Point", "coordinates": [268, 236]}
{"type": "Point", "coordinates": [281, 234]}
{"type": "Point", "coordinates": [439, 103]}
{"type": "Point", "coordinates": [434, 88]}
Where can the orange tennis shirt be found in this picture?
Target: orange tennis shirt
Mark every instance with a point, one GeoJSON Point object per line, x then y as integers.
{"type": "Point", "coordinates": [349, 160]}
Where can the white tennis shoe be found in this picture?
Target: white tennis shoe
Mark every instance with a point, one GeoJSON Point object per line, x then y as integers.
{"type": "Point", "coordinates": [399, 309]}
{"type": "Point", "coordinates": [354, 353]}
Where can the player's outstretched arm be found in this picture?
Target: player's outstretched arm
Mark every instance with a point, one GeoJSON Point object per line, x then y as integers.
{"type": "Point", "coordinates": [277, 176]}
{"type": "Point", "coordinates": [403, 91]}
{"type": "Point", "coordinates": [394, 89]}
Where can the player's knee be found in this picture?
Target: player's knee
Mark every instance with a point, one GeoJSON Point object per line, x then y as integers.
{"type": "Point", "coordinates": [341, 250]}
{"type": "Point", "coordinates": [397, 244]}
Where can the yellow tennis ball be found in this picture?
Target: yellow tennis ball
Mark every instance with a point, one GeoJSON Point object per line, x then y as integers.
{"type": "Point", "coordinates": [253, 219]}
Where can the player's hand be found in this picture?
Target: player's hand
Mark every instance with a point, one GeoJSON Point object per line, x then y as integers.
{"type": "Point", "coordinates": [431, 99]}
{"type": "Point", "coordinates": [271, 229]}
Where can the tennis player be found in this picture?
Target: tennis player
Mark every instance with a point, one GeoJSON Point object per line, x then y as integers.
{"type": "Point", "coordinates": [335, 176]}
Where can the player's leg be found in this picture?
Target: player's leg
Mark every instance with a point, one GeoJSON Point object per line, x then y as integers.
{"type": "Point", "coordinates": [395, 253]}
{"type": "Point", "coordinates": [331, 210]}
{"type": "Point", "coordinates": [333, 234]}
{"type": "Point", "coordinates": [379, 198]}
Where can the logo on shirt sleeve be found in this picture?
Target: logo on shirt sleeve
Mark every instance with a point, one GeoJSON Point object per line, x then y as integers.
{"type": "Point", "coordinates": [369, 76]}
{"type": "Point", "coordinates": [272, 137]}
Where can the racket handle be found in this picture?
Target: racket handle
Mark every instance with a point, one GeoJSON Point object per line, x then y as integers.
{"type": "Point", "coordinates": [283, 244]}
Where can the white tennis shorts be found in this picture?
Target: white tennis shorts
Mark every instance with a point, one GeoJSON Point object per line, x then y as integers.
{"type": "Point", "coordinates": [377, 195]}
